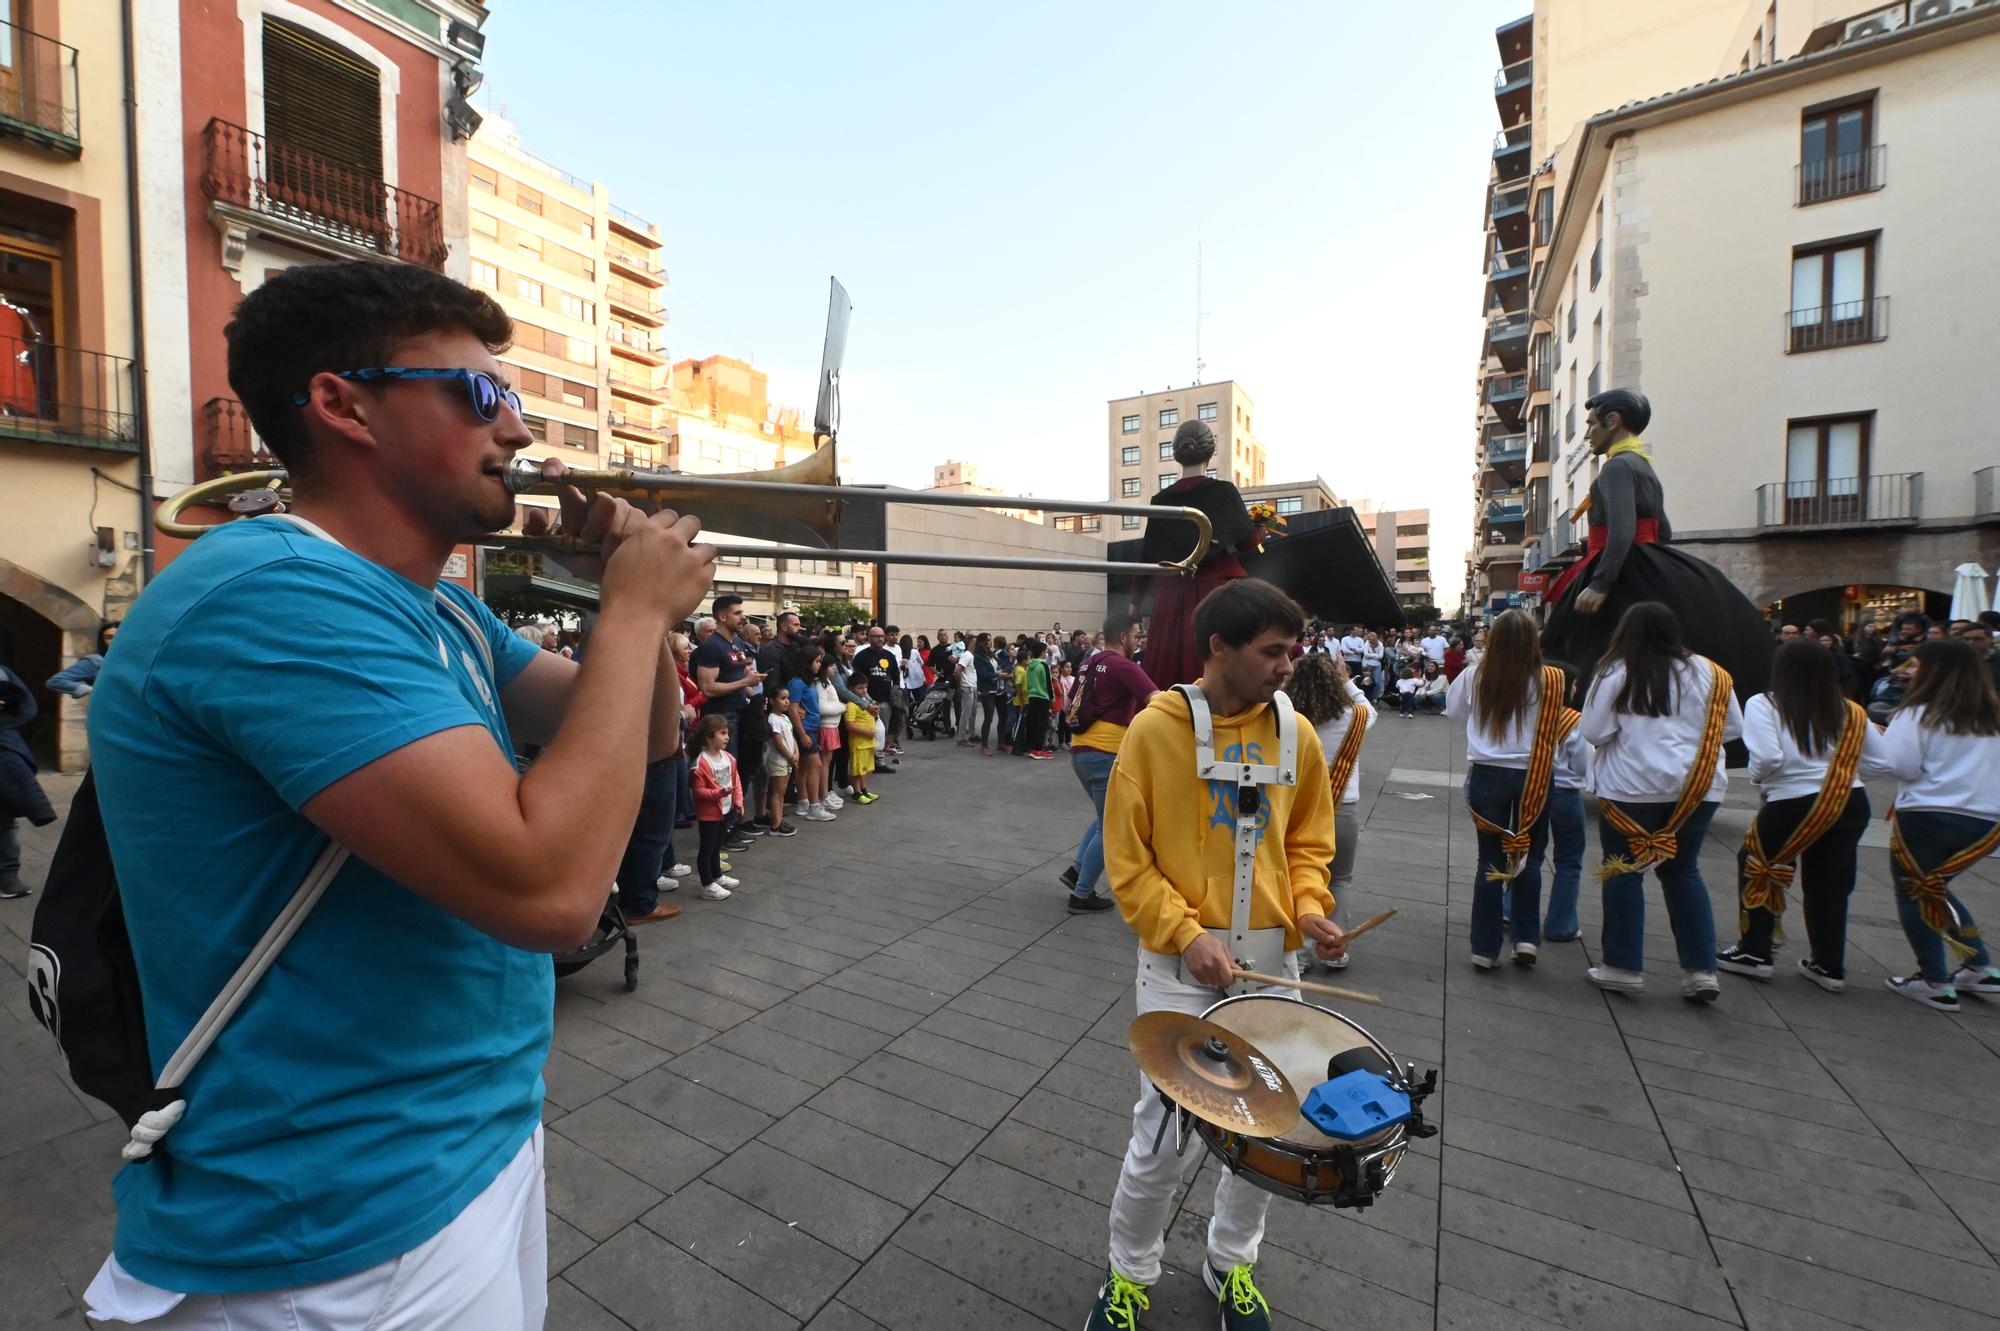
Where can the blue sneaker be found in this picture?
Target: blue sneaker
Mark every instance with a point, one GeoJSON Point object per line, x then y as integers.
{"type": "Point", "coordinates": [1243, 1306]}
{"type": "Point", "coordinates": [1119, 1303]}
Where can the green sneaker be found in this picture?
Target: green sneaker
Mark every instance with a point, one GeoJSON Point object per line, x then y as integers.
{"type": "Point", "coordinates": [1243, 1306]}
{"type": "Point", "coordinates": [1119, 1303]}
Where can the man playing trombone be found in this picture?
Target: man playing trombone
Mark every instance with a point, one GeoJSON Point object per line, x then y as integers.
{"type": "Point", "coordinates": [362, 1145]}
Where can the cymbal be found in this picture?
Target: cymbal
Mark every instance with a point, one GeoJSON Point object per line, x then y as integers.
{"type": "Point", "coordinates": [1214, 1074]}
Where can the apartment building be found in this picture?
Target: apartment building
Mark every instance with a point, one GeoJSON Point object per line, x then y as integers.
{"type": "Point", "coordinates": [70, 418]}
{"type": "Point", "coordinates": [1141, 452]}
{"type": "Point", "coordinates": [1565, 61]}
{"type": "Point", "coordinates": [1815, 352]}
{"type": "Point", "coordinates": [956, 477]}
{"type": "Point", "coordinates": [720, 419]}
{"type": "Point", "coordinates": [583, 281]}
{"type": "Point", "coordinates": [1401, 538]}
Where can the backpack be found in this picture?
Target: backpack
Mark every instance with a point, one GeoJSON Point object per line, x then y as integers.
{"type": "Point", "coordinates": [83, 981]}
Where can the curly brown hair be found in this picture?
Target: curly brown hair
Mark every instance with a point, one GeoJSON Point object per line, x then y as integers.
{"type": "Point", "coordinates": [1315, 690]}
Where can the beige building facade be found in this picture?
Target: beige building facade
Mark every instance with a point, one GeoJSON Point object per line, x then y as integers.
{"type": "Point", "coordinates": [1141, 462]}
{"type": "Point", "coordinates": [1815, 353]}
{"type": "Point", "coordinates": [979, 600]}
{"type": "Point", "coordinates": [1402, 541]}
{"type": "Point", "coordinates": [957, 477]}
{"type": "Point", "coordinates": [70, 418]}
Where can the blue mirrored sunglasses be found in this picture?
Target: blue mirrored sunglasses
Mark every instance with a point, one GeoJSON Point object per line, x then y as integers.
{"type": "Point", "coordinates": [480, 388]}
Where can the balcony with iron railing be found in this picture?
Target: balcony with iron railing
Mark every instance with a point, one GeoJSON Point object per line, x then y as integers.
{"type": "Point", "coordinates": [1847, 324]}
{"type": "Point", "coordinates": [1860, 172]}
{"type": "Point", "coordinates": [637, 383]}
{"type": "Point", "coordinates": [638, 343]}
{"type": "Point", "coordinates": [1884, 499]}
{"type": "Point", "coordinates": [1986, 493]}
{"type": "Point", "coordinates": [1510, 81]}
{"type": "Point", "coordinates": [1510, 197]}
{"type": "Point", "coordinates": [1511, 148]}
{"type": "Point", "coordinates": [1507, 339]}
{"type": "Point", "coordinates": [38, 91]}
{"type": "Point", "coordinates": [1507, 506]}
{"type": "Point", "coordinates": [636, 301]}
{"type": "Point", "coordinates": [1533, 555]}
{"type": "Point", "coordinates": [636, 263]}
{"type": "Point", "coordinates": [67, 395]}
{"type": "Point", "coordinates": [302, 195]}
{"type": "Point", "coordinates": [632, 222]}
{"type": "Point", "coordinates": [1507, 450]}
{"type": "Point", "coordinates": [229, 442]}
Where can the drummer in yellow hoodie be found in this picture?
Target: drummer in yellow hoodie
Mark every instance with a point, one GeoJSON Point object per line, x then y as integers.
{"type": "Point", "coordinates": [1169, 853]}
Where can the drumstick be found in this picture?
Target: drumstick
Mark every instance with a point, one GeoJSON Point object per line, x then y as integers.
{"type": "Point", "coordinates": [1368, 924]}
{"type": "Point", "coordinates": [1331, 991]}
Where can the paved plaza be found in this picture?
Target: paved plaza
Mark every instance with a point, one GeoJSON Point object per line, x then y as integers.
{"type": "Point", "coordinates": [886, 1085]}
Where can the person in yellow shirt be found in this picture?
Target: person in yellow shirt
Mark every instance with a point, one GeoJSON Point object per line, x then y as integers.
{"type": "Point", "coordinates": [861, 750]}
{"type": "Point", "coordinates": [1170, 842]}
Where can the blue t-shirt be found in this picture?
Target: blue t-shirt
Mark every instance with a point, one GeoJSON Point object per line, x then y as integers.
{"type": "Point", "coordinates": [802, 692]}
{"type": "Point", "coordinates": [388, 1066]}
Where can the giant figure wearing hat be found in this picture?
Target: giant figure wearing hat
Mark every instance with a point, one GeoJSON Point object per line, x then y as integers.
{"type": "Point", "coordinates": [1630, 558]}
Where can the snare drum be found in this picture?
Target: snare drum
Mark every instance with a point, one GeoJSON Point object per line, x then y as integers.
{"type": "Point", "coordinates": [1305, 1164]}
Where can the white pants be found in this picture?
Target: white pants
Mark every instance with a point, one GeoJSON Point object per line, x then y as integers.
{"type": "Point", "coordinates": [487, 1270]}
{"type": "Point", "coordinates": [1145, 1195]}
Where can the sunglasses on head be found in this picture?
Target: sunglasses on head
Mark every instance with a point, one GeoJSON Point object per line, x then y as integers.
{"type": "Point", "coordinates": [481, 389]}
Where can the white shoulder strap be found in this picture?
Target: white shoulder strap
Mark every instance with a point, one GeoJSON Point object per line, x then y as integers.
{"type": "Point", "coordinates": [1283, 772]}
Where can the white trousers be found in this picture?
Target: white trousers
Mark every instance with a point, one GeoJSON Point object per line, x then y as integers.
{"type": "Point", "coordinates": [1145, 1196]}
{"type": "Point", "coordinates": [488, 1270]}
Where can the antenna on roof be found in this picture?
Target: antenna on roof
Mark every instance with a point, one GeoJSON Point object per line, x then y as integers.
{"type": "Point", "coordinates": [1199, 364]}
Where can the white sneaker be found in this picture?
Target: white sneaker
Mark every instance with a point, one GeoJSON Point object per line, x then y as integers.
{"type": "Point", "coordinates": [666, 884]}
{"type": "Point", "coordinates": [1700, 986]}
{"type": "Point", "coordinates": [680, 871]}
{"type": "Point", "coordinates": [1339, 963]}
{"type": "Point", "coordinates": [1616, 980]}
{"type": "Point", "coordinates": [1524, 954]}
{"type": "Point", "coordinates": [714, 891]}
{"type": "Point", "coordinates": [1969, 981]}
{"type": "Point", "coordinates": [727, 881]}
{"type": "Point", "coordinates": [833, 800]}
{"type": "Point", "coordinates": [1485, 963]}
{"type": "Point", "coordinates": [816, 814]}
{"type": "Point", "coordinates": [1942, 997]}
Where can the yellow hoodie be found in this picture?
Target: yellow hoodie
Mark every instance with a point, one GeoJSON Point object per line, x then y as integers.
{"type": "Point", "coordinates": [1170, 837]}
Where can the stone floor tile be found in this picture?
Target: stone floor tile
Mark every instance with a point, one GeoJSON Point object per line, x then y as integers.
{"type": "Point", "coordinates": [843, 1214]}
{"type": "Point", "coordinates": [704, 1114]}
{"type": "Point", "coordinates": [642, 1146]}
{"type": "Point", "coordinates": [651, 1285]}
{"type": "Point", "coordinates": [882, 1166]}
{"type": "Point", "coordinates": [591, 1193]}
{"type": "Point", "coordinates": [905, 1122]}
{"type": "Point", "coordinates": [765, 1255]}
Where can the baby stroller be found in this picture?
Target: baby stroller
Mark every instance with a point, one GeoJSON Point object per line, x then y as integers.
{"type": "Point", "coordinates": [611, 930]}
{"type": "Point", "coordinates": [933, 715]}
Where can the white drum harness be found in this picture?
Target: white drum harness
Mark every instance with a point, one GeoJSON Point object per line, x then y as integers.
{"type": "Point", "coordinates": [1251, 949]}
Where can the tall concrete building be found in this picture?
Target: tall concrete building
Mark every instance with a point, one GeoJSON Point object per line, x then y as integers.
{"type": "Point", "coordinates": [1822, 453]}
{"type": "Point", "coordinates": [1558, 65]}
{"type": "Point", "coordinates": [583, 282]}
{"type": "Point", "coordinates": [955, 477]}
{"type": "Point", "coordinates": [1597, 261]}
{"type": "Point", "coordinates": [1402, 541]}
{"type": "Point", "coordinates": [1140, 457]}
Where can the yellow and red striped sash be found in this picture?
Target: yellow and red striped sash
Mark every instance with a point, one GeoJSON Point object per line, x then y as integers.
{"type": "Point", "coordinates": [1341, 767]}
{"type": "Point", "coordinates": [1553, 724]}
{"type": "Point", "coordinates": [1644, 847]}
{"type": "Point", "coordinates": [1767, 876]}
{"type": "Point", "coordinates": [1927, 888]}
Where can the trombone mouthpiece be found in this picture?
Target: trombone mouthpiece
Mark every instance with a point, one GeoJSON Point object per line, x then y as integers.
{"type": "Point", "coordinates": [523, 474]}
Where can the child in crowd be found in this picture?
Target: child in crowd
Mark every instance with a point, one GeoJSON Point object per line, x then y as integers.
{"type": "Point", "coordinates": [1406, 691]}
{"type": "Point", "coordinates": [782, 758]}
{"type": "Point", "coordinates": [861, 750]}
{"type": "Point", "coordinates": [1066, 686]}
{"type": "Point", "coordinates": [718, 791]}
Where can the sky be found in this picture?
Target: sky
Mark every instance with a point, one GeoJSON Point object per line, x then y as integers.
{"type": "Point", "coordinates": [1015, 197]}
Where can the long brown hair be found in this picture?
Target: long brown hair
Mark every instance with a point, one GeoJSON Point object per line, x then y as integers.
{"type": "Point", "coordinates": [1647, 642]}
{"type": "Point", "coordinates": [1954, 689]}
{"type": "Point", "coordinates": [1512, 665]}
{"type": "Point", "coordinates": [1314, 690]}
{"type": "Point", "coordinates": [1805, 688]}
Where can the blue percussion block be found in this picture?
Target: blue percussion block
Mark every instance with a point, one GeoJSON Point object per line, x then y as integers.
{"type": "Point", "coordinates": [1355, 1105]}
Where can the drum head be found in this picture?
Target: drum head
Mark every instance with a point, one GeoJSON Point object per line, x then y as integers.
{"type": "Point", "coordinates": [1299, 1038]}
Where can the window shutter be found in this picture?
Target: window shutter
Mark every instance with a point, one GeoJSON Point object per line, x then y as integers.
{"type": "Point", "coordinates": [321, 98]}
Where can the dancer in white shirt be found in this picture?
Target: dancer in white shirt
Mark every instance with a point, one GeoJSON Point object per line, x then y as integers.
{"type": "Point", "coordinates": [1658, 716]}
{"type": "Point", "coordinates": [1808, 747]}
{"type": "Point", "coordinates": [1325, 696]}
{"type": "Point", "coordinates": [1943, 746]}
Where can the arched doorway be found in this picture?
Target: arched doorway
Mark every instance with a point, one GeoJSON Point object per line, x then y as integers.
{"type": "Point", "coordinates": [35, 614]}
{"type": "Point", "coordinates": [1856, 604]}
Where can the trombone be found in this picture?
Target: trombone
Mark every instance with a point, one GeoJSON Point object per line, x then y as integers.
{"type": "Point", "coordinates": [798, 502]}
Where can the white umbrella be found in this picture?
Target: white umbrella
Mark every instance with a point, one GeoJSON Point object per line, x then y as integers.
{"type": "Point", "coordinates": [1968, 594]}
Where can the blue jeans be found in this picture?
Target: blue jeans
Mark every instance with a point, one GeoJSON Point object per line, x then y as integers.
{"type": "Point", "coordinates": [1492, 792]}
{"type": "Point", "coordinates": [1566, 835]}
{"type": "Point", "coordinates": [1934, 838]}
{"type": "Point", "coordinates": [652, 843]}
{"type": "Point", "coordinates": [1693, 920]}
{"type": "Point", "coordinates": [1093, 769]}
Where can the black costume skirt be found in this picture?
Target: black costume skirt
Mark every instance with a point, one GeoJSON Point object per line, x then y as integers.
{"type": "Point", "coordinates": [1717, 620]}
